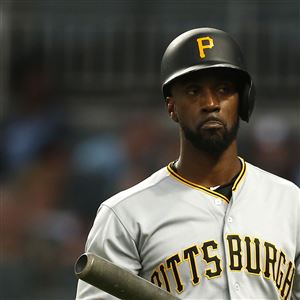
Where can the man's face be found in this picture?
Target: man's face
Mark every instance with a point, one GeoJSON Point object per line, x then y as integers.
{"type": "Point", "coordinates": [205, 104]}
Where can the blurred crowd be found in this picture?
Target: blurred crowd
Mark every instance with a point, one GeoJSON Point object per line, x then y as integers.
{"type": "Point", "coordinates": [53, 179]}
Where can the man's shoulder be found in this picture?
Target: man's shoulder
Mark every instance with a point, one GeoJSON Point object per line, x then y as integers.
{"type": "Point", "coordinates": [139, 191]}
{"type": "Point", "coordinates": [264, 177]}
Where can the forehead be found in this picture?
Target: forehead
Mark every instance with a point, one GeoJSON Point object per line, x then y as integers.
{"type": "Point", "coordinates": [212, 75]}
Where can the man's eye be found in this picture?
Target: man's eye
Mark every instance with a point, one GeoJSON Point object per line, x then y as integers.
{"type": "Point", "coordinates": [225, 89]}
{"type": "Point", "coordinates": [192, 91]}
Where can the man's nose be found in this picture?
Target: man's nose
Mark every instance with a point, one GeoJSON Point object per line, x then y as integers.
{"type": "Point", "coordinates": [210, 100]}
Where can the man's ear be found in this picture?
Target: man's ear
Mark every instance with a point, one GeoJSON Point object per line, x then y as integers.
{"type": "Point", "coordinates": [171, 106]}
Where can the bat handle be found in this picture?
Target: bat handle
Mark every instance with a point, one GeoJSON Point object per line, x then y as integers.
{"type": "Point", "coordinates": [116, 281]}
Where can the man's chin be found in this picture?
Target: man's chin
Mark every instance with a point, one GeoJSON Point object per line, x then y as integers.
{"type": "Point", "coordinates": [213, 141]}
{"type": "Point", "coordinates": [213, 145]}
{"type": "Point", "coordinates": [212, 133]}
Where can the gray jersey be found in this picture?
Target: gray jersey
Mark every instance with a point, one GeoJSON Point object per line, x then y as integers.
{"type": "Point", "coordinates": [197, 244]}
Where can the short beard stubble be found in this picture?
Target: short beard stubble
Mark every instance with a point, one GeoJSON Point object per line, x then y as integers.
{"type": "Point", "coordinates": [212, 142]}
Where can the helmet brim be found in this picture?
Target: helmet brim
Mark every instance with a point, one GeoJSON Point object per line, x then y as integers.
{"type": "Point", "coordinates": [196, 68]}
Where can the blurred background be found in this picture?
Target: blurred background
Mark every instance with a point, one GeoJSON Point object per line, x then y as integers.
{"type": "Point", "coordinates": [82, 116]}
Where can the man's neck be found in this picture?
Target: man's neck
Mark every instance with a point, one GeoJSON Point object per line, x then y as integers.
{"type": "Point", "coordinates": [208, 170]}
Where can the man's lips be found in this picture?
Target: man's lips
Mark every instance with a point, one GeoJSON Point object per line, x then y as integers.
{"type": "Point", "coordinates": [211, 123]}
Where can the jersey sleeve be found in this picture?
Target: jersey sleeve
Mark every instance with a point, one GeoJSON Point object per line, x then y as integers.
{"type": "Point", "coordinates": [109, 239]}
{"type": "Point", "coordinates": [296, 285]}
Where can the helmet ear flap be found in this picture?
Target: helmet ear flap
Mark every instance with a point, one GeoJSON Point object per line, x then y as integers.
{"type": "Point", "coordinates": [247, 101]}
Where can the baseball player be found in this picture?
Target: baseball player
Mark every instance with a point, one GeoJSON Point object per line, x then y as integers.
{"type": "Point", "coordinates": [209, 225]}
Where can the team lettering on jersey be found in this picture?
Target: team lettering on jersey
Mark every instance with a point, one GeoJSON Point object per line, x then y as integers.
{"type": "Point", "coordinates": [246, 254]}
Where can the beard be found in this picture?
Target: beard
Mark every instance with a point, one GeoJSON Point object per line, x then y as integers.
{"type": "Point", "coordinates": [213, 142]}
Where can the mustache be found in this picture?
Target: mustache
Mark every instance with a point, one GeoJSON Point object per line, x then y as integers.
{"type": "Point", "coordinates": [211, 118]}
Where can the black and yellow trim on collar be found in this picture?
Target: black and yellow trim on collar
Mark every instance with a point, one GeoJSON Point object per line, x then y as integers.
{"type": "Point", "coordinates": [207, 190]}
{"type": "Point", "coordinates": [241, 175]}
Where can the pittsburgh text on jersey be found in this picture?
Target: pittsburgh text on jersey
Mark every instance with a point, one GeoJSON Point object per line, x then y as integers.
{"type": "Point", "coordinates": [245, 254]}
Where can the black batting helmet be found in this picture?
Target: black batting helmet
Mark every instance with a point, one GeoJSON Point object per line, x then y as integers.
{"type": "Point", "coordinates": [204, 48]}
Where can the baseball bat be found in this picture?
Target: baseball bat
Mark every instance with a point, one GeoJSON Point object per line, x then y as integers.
{"type": "Point", "coordinates": [116, 281]}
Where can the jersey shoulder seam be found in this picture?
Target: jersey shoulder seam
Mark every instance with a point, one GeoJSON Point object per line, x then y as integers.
{"type": "Point", "coordinates": [120, 198]}
{"type": "Point", "coordinates": [118, 218]}
{"type": "Point", "coordinates": [273, 176]}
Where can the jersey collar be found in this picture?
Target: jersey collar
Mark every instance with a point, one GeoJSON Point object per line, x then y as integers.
{"type": "Point", "coordinates": [238, 180]}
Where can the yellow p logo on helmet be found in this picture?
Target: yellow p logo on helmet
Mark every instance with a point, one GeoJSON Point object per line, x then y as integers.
{"type": "Point", "coordinates": [202, 45]}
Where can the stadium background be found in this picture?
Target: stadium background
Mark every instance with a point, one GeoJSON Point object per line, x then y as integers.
{"type": "Point", "coordinates": [82, 116]}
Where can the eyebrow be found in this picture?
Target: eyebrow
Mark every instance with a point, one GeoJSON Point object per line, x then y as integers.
{"type": "Point", "coordinates": [186, 83]}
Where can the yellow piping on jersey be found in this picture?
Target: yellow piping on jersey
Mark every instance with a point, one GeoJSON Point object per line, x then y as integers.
{"type": "Point", "coordinates": [207, 190]}
{"type": "Point", "coordinates": [242, 173]}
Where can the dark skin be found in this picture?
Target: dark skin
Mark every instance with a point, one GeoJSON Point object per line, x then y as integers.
{"type": "Point", "coordinates": [205, 103]}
